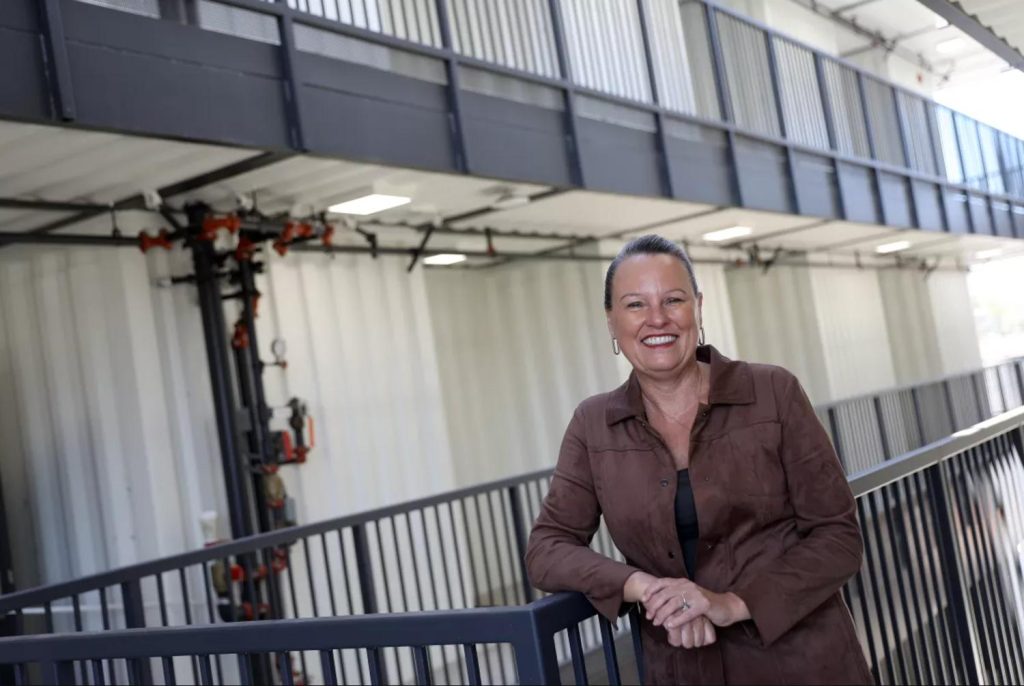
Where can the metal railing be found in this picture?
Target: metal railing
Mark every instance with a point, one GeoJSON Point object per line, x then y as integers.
{"type": "Point", "coordinates": [460, 549]}
{"type": "Point", "coordinates": [678, 60]}
{"type": "Point", "coordinates": [938, 600]}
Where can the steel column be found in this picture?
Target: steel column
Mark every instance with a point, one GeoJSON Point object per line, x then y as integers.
{"type": "Point", "coordinates": [572, 134]}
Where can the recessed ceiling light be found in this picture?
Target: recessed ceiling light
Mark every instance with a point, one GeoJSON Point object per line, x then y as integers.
{"type": "Point", "coordinates": [895, 246]}
{"type": "Point", "coordinates": [948, 46]}
{"type": "Point", "coordinates": [988, 254]}
{"type": "Point", "coordinates": [369, 204]}
{"type": "Point", "coordinates": [444, 259]}
{"type": "Point", "coordinates": [727, 234]}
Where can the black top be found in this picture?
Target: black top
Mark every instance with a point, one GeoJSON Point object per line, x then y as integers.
{"type": "Point", "coordinates": [686, 521]}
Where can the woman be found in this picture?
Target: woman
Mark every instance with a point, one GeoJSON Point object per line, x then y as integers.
{"type": "Point", "coordinates": [721, 489]}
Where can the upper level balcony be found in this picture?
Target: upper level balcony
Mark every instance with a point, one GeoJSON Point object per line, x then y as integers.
{"type": "Point", "coordinates": [680, 99]}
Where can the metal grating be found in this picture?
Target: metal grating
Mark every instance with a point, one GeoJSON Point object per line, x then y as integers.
{"type": "Point", "coordinates": [605, 47]}
{"type": "Point", "coordinates": [847, 109]}
{"type": "Point", "coordinates": [801, 96]}
{"type": "Point", "coordinates": [744, 53]}
{"type": "Point", "coordinates": [517, 35]}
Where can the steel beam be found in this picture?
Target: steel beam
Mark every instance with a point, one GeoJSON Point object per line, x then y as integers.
{"type": "Point", "coordinates": [970, 25]}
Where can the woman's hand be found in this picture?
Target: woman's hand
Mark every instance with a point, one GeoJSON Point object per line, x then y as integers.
{"type": "Point", "coordinates": [694, 634]}
{"type": "Point", "coordinates": [675, 602]}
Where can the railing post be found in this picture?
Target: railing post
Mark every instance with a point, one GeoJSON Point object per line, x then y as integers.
{"type": "Point", "coordinates": [948, 392]}
{"type": "Point", "coordinates": [368, 594]}
{"type": "Point", "coordinates": [921, 440]}
{"type": "Point", "coordinates": [572, 137]}
{"type": "Point", "coordinates": [872, 150]}
{"type": "Point", "coordinates": [667, 181]}
{"type": "Point", "coordinates": [516, 508]}
{"type": "Point", "coordinates": [724, 98]}
{"type": "Point", "coordinates": [833, 425]}
{"type": "Point", "coordinates": [880, 416]}
{"type": "Point", "coordinates": [780, 112]}
{"type": "Point", "coordinates": [454, 89]}
{"type": "Point", "coordinates": [956, 591]}
{"type": "Point", "coordinates": [134, 618]}
{"type": "Point", "coordinates": [536, 658]}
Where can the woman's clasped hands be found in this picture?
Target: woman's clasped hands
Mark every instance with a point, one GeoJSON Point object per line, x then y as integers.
{"type": "Point", "coordinates": [689, 612]}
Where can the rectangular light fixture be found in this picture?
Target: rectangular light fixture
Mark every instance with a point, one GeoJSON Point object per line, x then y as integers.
{"type": "Point", "coordinates": [895, 246]}
{"type": "Point", "coordinates": [444, 259]}
{"type": "Point", "coordinates": [948, 46]}
{"type": "Point", "coordinates": [728, 234]}
{"type": "Point", "coordinates": [988, 254]}
{"type": "Point", "coordinates": [369, 204]}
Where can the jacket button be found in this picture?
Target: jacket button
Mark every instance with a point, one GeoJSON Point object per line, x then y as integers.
{"type": "Point", "coordinates": [664, 483]}
{"type": "Point", "coordinates": [707, 478]}
{"type": "Point", "coordinates": [709, 546]}
{"type": "Point", "coordinates": [671, 555]}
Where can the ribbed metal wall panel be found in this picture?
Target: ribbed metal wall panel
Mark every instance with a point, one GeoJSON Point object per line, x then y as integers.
{"type": "Point", "coordinates": [914, 119]}
{"type": "Point", "coordinates": [414, 20]}
{"type": "Point", "coordinates": [606, 48]}
{"type": "Point", "coordinates": [946, 132]}
{"type": "Point", "coordinates": [885, 125]}
{"type": "Point", "coordinates": [955, 329]}
{"type": "Point", "coordinates": [847, 109]}
{"type": "Point", "coordinates": [517, 34]}
{"type": "Point", "coordinates": [111, 447]}
{"type": "Point", "coordinates": [682, 57]}
{"type": "Point", "coordinates": [801, 96]}
{"type": "Point", "coordinates": [520, 347]}
{"type": "Point", "coordinates": [911, 324]}
{"type": "Point", "coordinates": [970, 151]}
{"type": "Point", "coordinates": [990, 158]}
{"type": "Point", "coordinates": [854, 336]}
{"type": "Point", "coordinates": [745, 54]}
{"type": "Point", "coordinates": [776, 322]}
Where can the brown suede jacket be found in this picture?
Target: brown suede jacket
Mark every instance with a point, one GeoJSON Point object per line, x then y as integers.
{"type": "Point", "coordinates": [778, 526]}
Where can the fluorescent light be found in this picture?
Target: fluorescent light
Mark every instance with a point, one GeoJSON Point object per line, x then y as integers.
{"type": "Point", "coordinates": [444, 259]}
{"type": "Point", "coordinates": [987, 254]}
{"type": "Point", "coordinates": [948, 46]}
{"type": "Point", "coordinates": [369, 204]}
{"type": "Point", "coordinates": [727, 234]}
{"type": "Point", "coordinates": [895, 246]}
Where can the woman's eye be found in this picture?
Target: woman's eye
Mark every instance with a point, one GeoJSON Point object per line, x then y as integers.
{"type": "Point", "coordinates": [635, 305]}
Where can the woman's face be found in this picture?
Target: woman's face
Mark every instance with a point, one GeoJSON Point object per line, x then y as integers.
{"type": "Point", "coordinates": [655, 314]}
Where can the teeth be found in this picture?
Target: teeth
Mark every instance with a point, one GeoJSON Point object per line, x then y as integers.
{"type": "Point", "coordinates": [659, 340]}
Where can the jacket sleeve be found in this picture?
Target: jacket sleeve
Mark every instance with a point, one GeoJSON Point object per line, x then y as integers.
{"type": "Point", "coordinates": [830, 548]}
{"type": "Point", "coordinates": [558, 556]}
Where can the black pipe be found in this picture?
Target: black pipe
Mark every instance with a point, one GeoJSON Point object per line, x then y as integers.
{"type": "Point", "coordinates": [214, 331]}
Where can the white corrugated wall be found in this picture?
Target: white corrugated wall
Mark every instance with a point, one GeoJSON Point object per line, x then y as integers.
{"type": "Point", "coordinates": [911, 324]}
{"type": "Point", "coordinates": [955, 329]}
{"type": "Point", "coordinates": [520, 346]}
{"type": "Point", "coordinates": [111, 449]}
{"type": "Point", "coordinates": [854, 336]}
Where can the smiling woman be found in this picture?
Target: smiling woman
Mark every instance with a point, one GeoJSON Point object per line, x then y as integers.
{"type": "Point", "coordinates": [719, 486]}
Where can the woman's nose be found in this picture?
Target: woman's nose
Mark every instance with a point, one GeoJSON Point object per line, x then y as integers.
{"type": "Point", "coordinates": [656, 315]}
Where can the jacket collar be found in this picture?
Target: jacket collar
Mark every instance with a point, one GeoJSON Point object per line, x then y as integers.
{"type": "Point", "coordinates": [731, 384]}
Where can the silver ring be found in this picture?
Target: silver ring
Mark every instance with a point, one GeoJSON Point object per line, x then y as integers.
{"type": "Point", "coordinates": [685, 605]}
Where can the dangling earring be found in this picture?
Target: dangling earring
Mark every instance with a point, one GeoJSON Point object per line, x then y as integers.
{"type": "Point", "coordinates": [615, 346]}
{"type": "Point", "coordinates": [703, 338]}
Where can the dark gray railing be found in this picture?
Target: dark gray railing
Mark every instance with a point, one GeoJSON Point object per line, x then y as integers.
{"type": "Point", "coordinates": [938, 600]}
{"type": "Point", "coordinates": [462, 549]}
{"type": "Point", "coordinates": [678, 61]}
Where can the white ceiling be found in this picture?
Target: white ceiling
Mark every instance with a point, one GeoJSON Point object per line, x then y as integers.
{"type": "Point", "coordinates": [71, 165]}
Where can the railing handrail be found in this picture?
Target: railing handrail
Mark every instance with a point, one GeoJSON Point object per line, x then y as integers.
{"type": "Point", "coordinates": [429, 627]}
{"type": "Point", "coordinates": [876, 477]}
{"type": "Point", "coordinates": [248, 544]}
{"type": "Point", "coordinates": [920, 384]}
{"type": "Point", "coordinates": [39, 595]}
